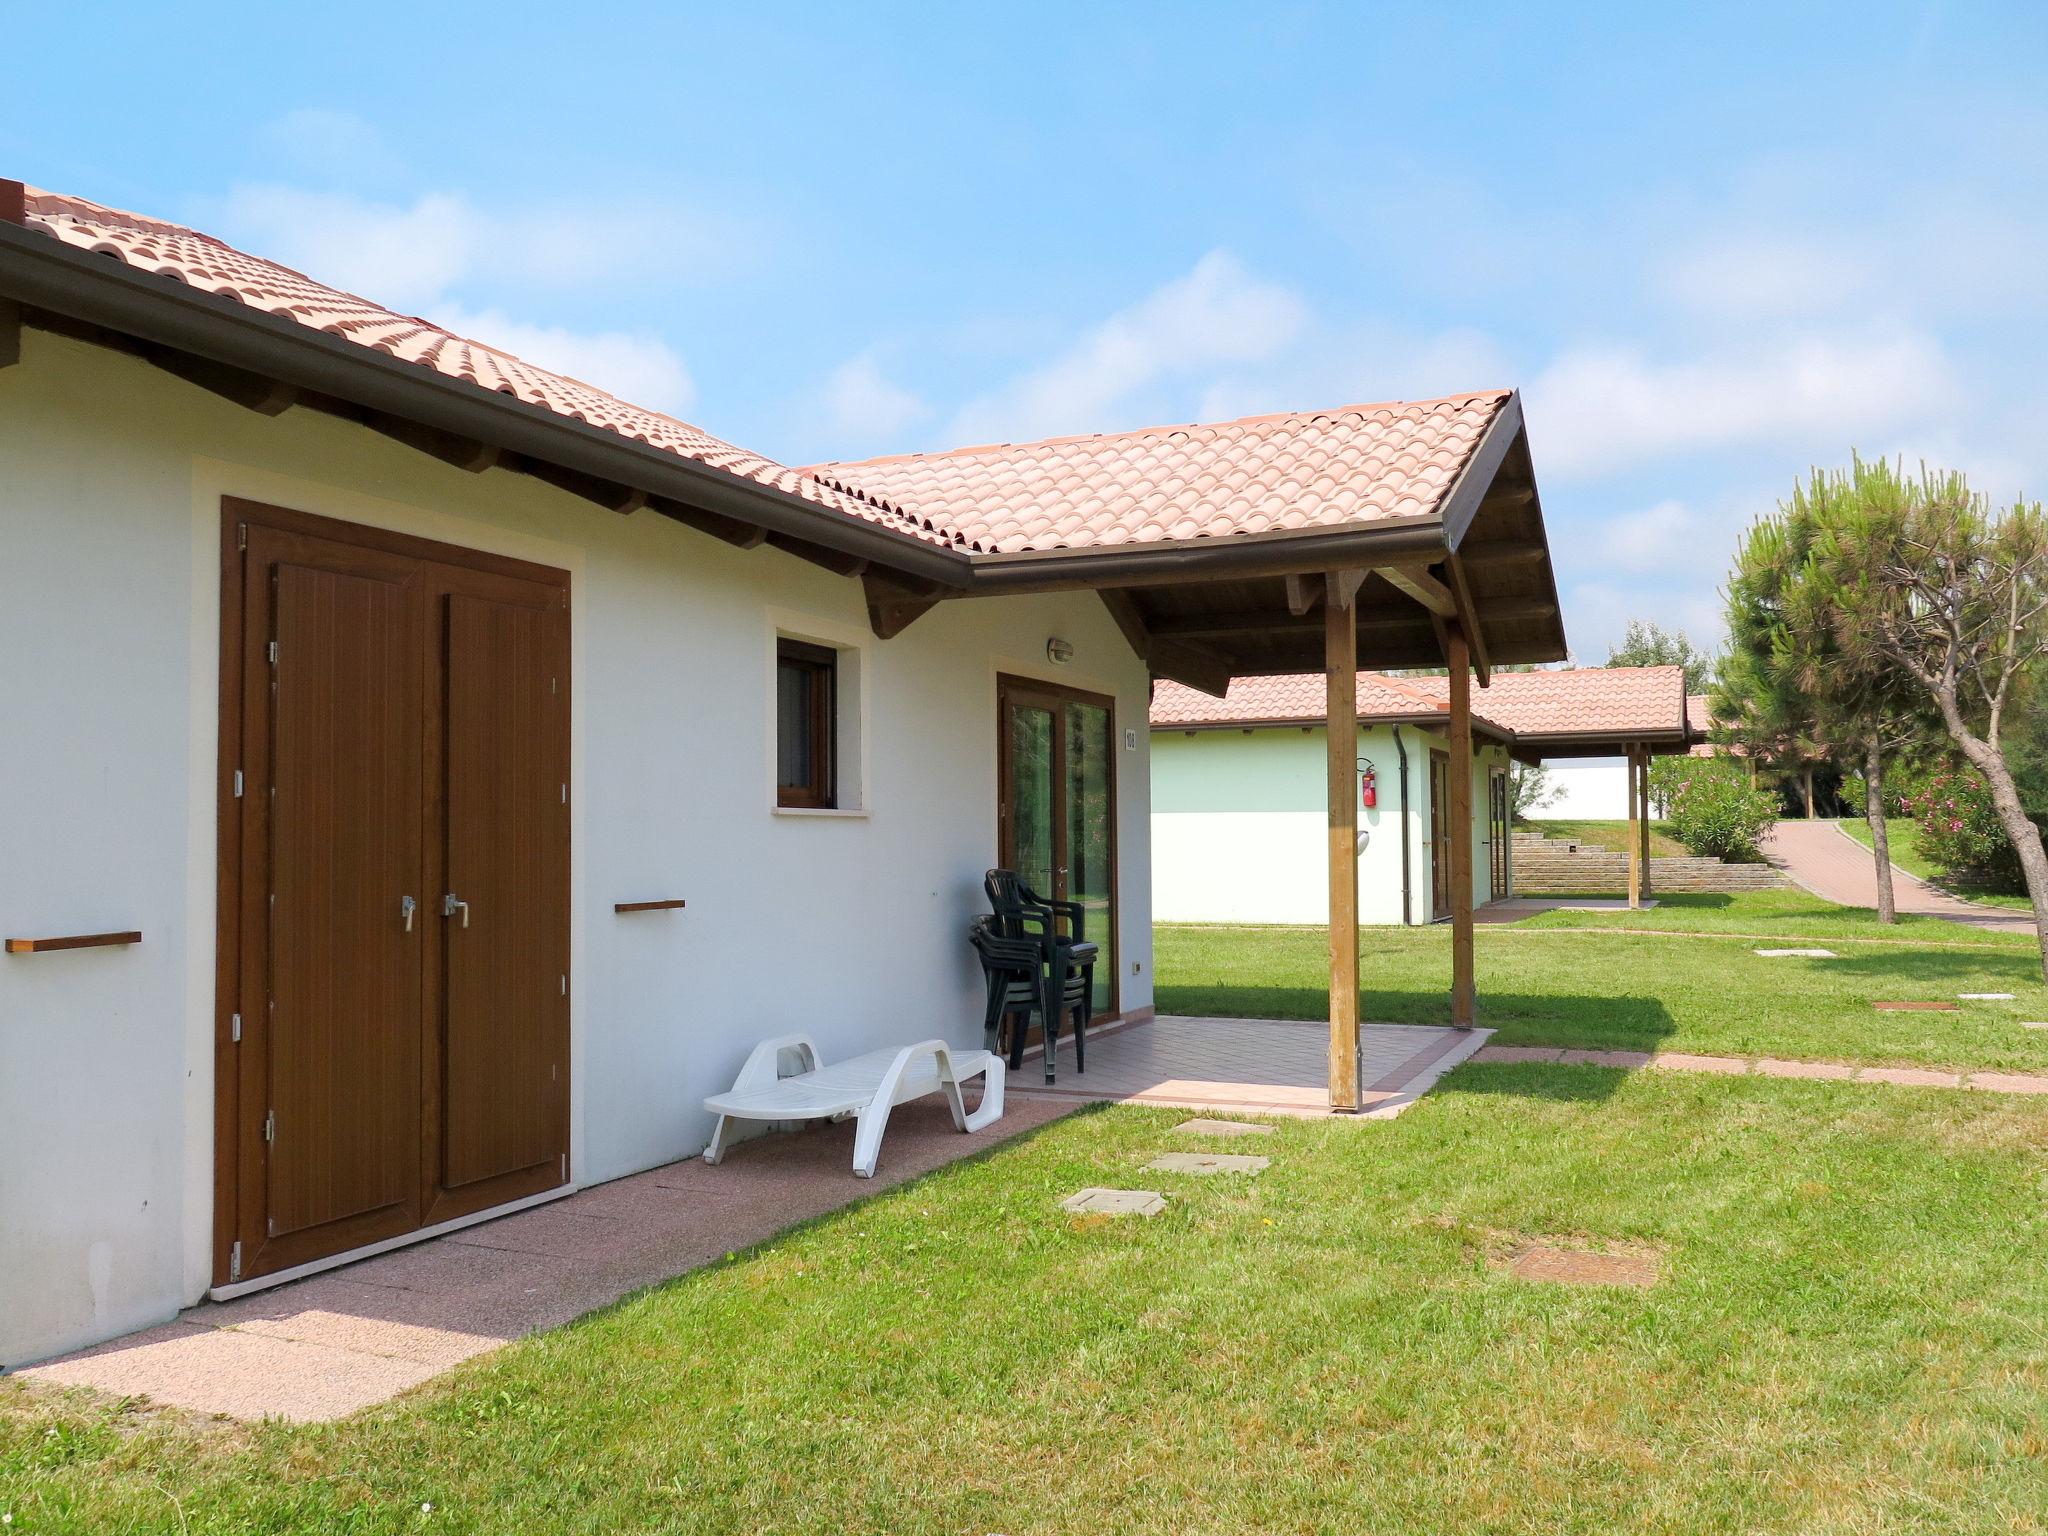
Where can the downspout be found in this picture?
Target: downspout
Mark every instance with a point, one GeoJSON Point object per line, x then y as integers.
{"type": "Point", "coordinates": [1407, 912]}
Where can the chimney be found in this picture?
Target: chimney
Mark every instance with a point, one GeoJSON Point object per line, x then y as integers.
{"type": "Point", "coordinates": [13, 201]}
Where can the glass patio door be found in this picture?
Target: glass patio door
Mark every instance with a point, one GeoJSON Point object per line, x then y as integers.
{"type": "Point", "coordinates": [1056, 813]}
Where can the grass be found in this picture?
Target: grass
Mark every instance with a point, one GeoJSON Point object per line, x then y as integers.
{"type": "Point", "coordinates": [1848, 1336]}
{"type": "Point", "coordinates": [1780, 914]}
{"type": "Point", "coordinates": [1611, 835]}
{"type": "Point", "coordinates": [1903, 844]}
{"type": "Point", "coordinates": [1693, 984]}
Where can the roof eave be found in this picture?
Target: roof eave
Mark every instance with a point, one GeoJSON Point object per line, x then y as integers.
{"type": "Point", "coordinates": [41, 272]}
{"type": "Point", "coordinates": [1286, 552]}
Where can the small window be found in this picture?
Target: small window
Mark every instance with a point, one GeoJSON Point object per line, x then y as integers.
{"type": "Point", "coordinates": [806, 683]}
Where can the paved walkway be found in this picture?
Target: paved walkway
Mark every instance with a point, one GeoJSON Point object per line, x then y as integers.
{"type": "Point", "coordinates": [326, 1346]}
{"type": "Point", "coordinates": [1261, 1066]}
{"type": "Point", "coordinates": [1767, 1066]}
{"type": "Point", "coordinates": [1828, 862]}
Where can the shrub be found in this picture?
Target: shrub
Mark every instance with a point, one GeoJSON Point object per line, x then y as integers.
{"type": "Point", "coordinates": [1712, 807]}
{"type": "Point", "coordinates": [1959, 832]}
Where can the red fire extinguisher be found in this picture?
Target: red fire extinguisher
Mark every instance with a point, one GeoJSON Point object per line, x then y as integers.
{"type": "Point", "coordinates": [1368, 792]}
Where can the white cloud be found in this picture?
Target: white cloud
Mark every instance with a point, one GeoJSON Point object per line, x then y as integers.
{"type": "Point", "coordinates": [635, 366]}
{"type": "Point", "coordinates": [321, 142]}
{"type": "Point", "coordinates": [1350, 365]}
{"type": "Point", "coordinates": [411, 255]}
{"type": "Point", "coordinates": [863, 406]}
{"type": "Point", "coordinates": [1762, 275]}
{"type": "Point", "coordinates": [1218, 315]}
{"type": "Point", "coordinates": [405, 258]}
{"type": "Point", "coordinates": [1597, 614]}
{"type": "Point", "coordinates": [1597, 409]}
{"type": "Point", "coordinates": [1652, 539]}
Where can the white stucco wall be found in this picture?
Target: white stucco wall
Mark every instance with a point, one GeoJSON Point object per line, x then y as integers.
{"type": "Point", "coordinates": [1589, 789]}
{"type": "Point", "coordinates": [849, 927]}
{"type": "Point", "coordinates": [1239, 825]}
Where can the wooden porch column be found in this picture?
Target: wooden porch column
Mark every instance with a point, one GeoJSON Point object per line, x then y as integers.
{"type": "Point", "coordinates": [1458, 656]}
{"type": "Point", "coordinates": [1635, 843]}
{"type": "Point", "coordinates": [1645, 777]}
{"type": "Point", "coordinates": [1340, 665]}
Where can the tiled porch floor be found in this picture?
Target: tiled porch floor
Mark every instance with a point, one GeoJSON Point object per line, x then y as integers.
{"type": "Point", "coordinates": [1262, 1066]}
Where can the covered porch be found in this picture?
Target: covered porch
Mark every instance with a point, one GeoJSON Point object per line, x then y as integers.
{"type": "Point", "coordinates": [1252, 1066]}
{"type": "Point", "coordinates": [1407, 534]}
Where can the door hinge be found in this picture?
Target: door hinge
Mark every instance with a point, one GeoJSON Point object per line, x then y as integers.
{"type": "Point", "coordinates": [565, 1167]}
{"type": "Point", "coordinates": [273, 653]}
{"type": "Point", "coordinates": [235, 1248]}
{"type": "Point", "coordinates": [270, 1126]}
{"type": "Point", "coordinates": [241, 536]}
{"type": "Point", "coordinates": [235, 1028]}
{"type": "Point", "coordinates": [238, 783]}
{"type": "Point", "coordinates": [565, 794]}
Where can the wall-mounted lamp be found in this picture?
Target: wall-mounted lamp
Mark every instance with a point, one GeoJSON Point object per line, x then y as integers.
{"type": "Point", "coordinates": [1058, 651]}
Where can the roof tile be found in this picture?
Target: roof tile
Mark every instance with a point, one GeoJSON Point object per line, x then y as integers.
{"type": "Point", "coordinates": [155, 245]}
{"type": "Point", "coordinates": [1571, 701]}
{"type": "Point", "coordinates": [1320, 469]}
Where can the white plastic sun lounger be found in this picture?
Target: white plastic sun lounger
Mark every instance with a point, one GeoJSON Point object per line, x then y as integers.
{"type": "Point", "coordinates": [867, 1087]}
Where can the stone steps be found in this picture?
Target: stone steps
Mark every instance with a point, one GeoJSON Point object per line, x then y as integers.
{"type": "Point", "coordinates": [1546, 866]}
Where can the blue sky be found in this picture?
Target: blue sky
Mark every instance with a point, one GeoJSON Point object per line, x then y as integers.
{"type": "Point", "coordinates": [1712, 245]}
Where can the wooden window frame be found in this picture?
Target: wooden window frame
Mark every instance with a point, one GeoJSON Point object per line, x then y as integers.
{"type": "Point", "coordinates": [821, 793]}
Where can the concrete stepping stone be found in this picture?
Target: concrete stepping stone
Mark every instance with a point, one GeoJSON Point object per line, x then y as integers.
{"type": "Point", "coordinates": [1223, 1128]}
{"type": "Point", "coordinates": [1207, 1162]}
{"type": "Point", "coordinates": [1800, 954]}
{"type": "Point", "coordinates": [2043, 1024]}
{"type": "Point", "coordinates": [1985, 997]}
{"type": "Point", "coordinates": [1115, 1202]}
{"type": "Point", "coordinates": [1916, 1007]}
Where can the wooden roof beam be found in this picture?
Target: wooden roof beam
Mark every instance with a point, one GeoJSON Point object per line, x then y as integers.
{"type": "Point", "coordinates": [609, 494]}
{"type": "Point", "coordinates": [1416, 582]}
{"type": "Point", "coordinates": [1468, 620]}
{"type": "Point", "coordinates": [838, 562]}
{"type": "Point", "coordinates": [1199, 668]}
{"type": "Point", "coordinates": [892, 606]}
{"type": "Point", "coordinates": [730, 530]}
{"type": "Point", "coordinates": [1252, 622]}
{"type": "Point", "coordinates": [251, 391]}
{"type": "Point", "coordinates": [10, 333]}
{"type": "Point", "coordinates": [462, 452]}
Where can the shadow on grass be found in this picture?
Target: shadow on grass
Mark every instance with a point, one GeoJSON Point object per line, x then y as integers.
{"type": "Point", "coordinates": [2011, 970]}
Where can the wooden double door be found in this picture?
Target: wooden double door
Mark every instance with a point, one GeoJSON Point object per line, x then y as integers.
{"type": "Point", "coordinates": [394, 1045]}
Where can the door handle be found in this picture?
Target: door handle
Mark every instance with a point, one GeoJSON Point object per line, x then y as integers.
{"type": "Point", "coordinates": [449, 904]}
{"type": "Point", "coordinates": [406, 907]}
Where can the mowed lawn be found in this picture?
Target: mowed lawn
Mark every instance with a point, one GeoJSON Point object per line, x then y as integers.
{"type": "Point", "coordinates": [1848, 1333]}
{"type": "Point", "coordinates": [1695, 983]}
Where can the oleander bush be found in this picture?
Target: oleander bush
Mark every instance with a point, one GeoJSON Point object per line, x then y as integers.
{"type": "Point", "coordinates": [1712, 807]}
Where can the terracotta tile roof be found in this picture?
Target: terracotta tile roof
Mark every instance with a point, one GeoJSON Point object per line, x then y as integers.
{"type": "Point", "coordinates": [1322, 469]}
{"type": "Point", "coordinates": [1325, 469]}
{"type": "Point", "coordinates": [1530, 706]}
{"type": "Point", "coordinates": [1297, 699]}
{"type": "Point", "coordinates": [155, 245]}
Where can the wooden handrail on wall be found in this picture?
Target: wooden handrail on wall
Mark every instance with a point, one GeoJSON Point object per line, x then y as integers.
{"type": "Point", "coordinates": [647, 906]}
{"type": "Point", "coordinates": [71, 941]}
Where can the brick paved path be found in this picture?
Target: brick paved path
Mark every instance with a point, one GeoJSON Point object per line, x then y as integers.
{"type": "Point", "coordinates": [1834, 866]}
{"type": "Point", "coordinates": [1768, 1066]}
